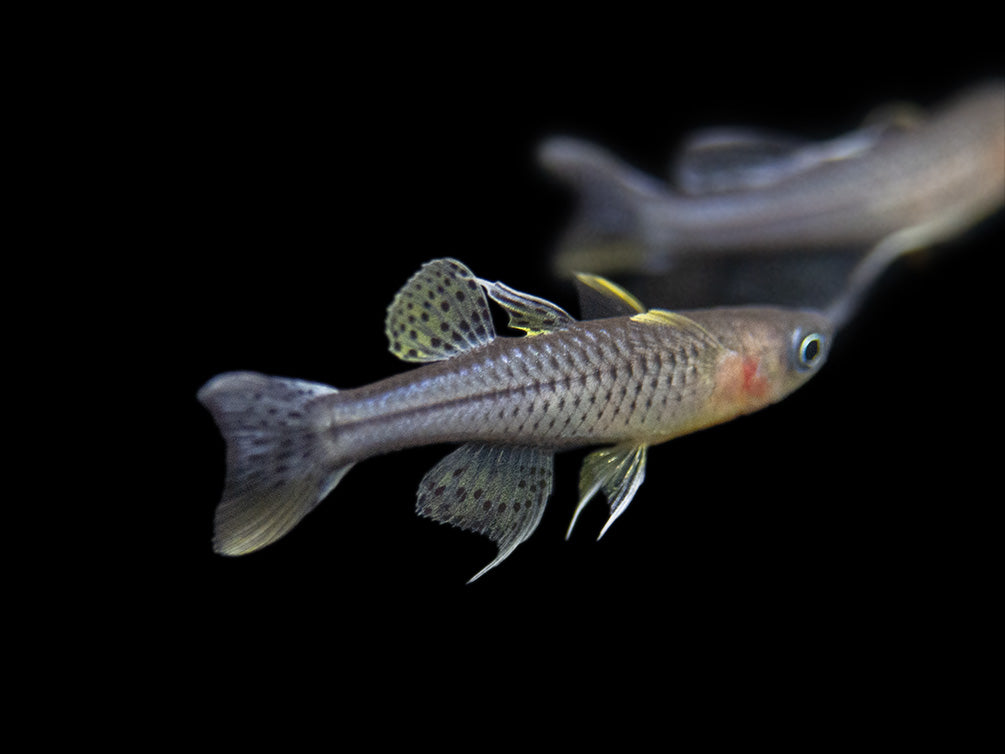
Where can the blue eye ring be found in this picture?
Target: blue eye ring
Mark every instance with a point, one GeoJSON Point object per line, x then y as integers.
{"type": "Point", "coordinates": [810, 351]}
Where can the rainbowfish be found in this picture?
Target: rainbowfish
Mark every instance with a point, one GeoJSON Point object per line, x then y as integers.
{"type": "Point", "coordinates": [627, 380]}
{"type": "Point", "coordinates": [904, 180]}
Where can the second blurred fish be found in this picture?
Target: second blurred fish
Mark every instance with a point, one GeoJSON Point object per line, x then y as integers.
{"type": "Point", "coordinates": [766, 218]}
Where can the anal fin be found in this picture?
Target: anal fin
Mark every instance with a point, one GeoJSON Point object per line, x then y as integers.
{"type": "Point", "coordinates": [617, 472]}
{"type": "Point", "coordinates": [494, 490]}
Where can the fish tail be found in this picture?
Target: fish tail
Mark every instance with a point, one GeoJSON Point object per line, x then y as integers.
{"type": "Point", "coordinates": [279, 465]}
{"type": "Point", "coordinates": [608, 232]}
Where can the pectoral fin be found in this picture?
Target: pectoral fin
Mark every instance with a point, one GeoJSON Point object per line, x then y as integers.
{"type": "Point", "coordinates": [617, 472]}
{"type": "Point", "coordinates": [497, 491]}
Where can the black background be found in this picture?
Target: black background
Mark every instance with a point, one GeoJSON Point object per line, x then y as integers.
{"type": "Point", "coordinates": [284, 189]}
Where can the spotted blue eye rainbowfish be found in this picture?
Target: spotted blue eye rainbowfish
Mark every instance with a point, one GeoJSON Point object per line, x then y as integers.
{"type": "Point", "coordinates": [626, 380]}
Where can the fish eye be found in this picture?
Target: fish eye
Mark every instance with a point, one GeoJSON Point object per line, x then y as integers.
{"type": "Point", "coordinates": [810, 351]}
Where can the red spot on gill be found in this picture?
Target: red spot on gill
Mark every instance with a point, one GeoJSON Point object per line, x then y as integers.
{"type": "Point", "coordinates": [754, 383]}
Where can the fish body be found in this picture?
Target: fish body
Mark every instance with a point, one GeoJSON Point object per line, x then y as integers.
{"type": "Point", "coordinates": [629, 378]}
{"type": "Point", "coordinates": [901, 182]}
{"type": "Point", "coordinates": [628, 381]}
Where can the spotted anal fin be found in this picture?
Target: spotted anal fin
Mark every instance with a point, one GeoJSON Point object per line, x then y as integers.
{"type": "Point", "coordinates": [529, 313]}
{"type": "Point", "coordinates": [600, 298]}
{"type": "Point", "coordinates": [494, 490]}
{"type": "Point", "coordinates": [440, 312]}
{"type": "Point", "coordinates": [617, 472]}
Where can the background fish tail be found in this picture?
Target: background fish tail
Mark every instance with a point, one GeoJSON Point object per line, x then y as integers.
{"type": "Point", "coordinates": [278, 467]}
{"type": "Point", "coordinates": [607, 232]}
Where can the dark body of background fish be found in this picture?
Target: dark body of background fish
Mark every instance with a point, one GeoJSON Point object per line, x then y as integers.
{"type": "Point", "coordinates": [747, 215]}
{"type": "Point", "coordinates": [853, 503]}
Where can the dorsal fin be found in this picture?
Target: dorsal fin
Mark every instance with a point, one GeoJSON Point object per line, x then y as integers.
{"type": "Point", "coordinates": [440, 312]}
{"type": "Point", "coordinates": [529, 313]}
{"type": "Point", "coordinates": [677, 321]}
{"type": "Point", "coordinates": [720, 160]}
{"type": "Point", "coordinates": [895, 116]}
{"type": "Point", "coordinates": [600, 298]}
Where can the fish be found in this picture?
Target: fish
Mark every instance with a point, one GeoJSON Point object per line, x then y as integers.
{"type": "Point", "coordinates": [752, 216]}
{"type": "Point", "coordinates": [624, 379]}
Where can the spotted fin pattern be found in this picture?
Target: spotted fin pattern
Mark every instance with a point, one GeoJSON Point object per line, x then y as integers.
{"type": "Point", "coordinates": [440, 312]}
{"type": "Point", "coordinates": [277, 471]}
{"type": "Point", "coordinates": [497, 491]}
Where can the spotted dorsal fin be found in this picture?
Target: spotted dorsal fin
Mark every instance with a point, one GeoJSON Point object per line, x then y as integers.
{"type": "Point", "coordinates": [600, 298]}
{"type": "Point", "coordinates": [440, 312]}
{"type": "Point", "coordinates": [529, 313]}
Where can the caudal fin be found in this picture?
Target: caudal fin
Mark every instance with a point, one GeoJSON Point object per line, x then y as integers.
{"type": "Point", "coordinates": [277, 465]}
{"type": "Point", "coordinates": [607, 233]}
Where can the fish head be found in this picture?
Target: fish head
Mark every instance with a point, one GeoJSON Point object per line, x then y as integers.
{"type": "Point", "coordinates": [769, 352]}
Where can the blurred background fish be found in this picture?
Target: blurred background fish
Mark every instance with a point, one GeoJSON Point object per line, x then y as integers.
{"type": "Point", "coordinates": [752, 216]}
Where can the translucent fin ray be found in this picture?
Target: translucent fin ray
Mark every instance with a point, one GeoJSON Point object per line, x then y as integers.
{"type": "Point", "coordinates": [618, 472]}
{"type": "Point", "coordinates": [678, 322]}
{"type": "Point", "coordinates": [600, 298]}
{"type": "Point", "coordinates": [497, 491]}
{"type": "Point", "coordinates": [440, 312]}
{"type": "Point", "coordinates": [529, 313]}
